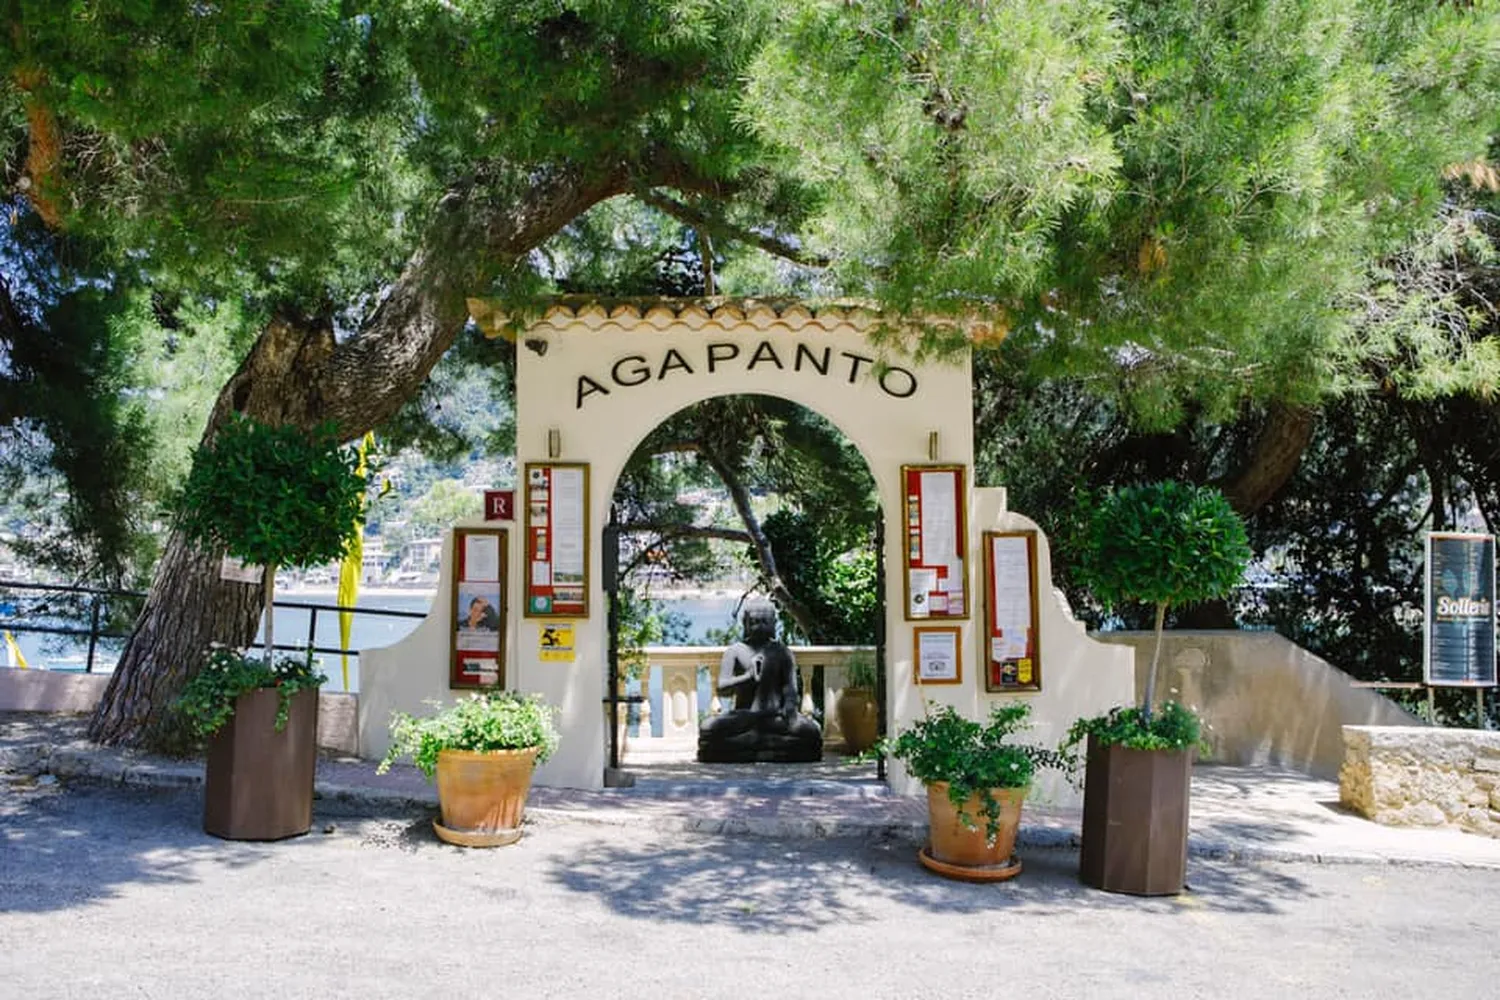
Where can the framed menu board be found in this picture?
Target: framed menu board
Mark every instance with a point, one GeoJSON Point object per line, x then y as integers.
{"type": "Point", "coordinates": [937, 655]}
{"type": "Point", "coordinates": [557, 540]}
{"type": "Point", "coordinates": [936, 580]}
{"type": "Point", "coordinates": [1012, 636]}
{"type": "Point", "coordinates": [478, 608]}
{"type": "Point", "coordinates": [1458, 644]}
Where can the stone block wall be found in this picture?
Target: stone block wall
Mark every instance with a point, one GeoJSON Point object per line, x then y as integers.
{"type": "Point", "coordinates": [1420, 776]}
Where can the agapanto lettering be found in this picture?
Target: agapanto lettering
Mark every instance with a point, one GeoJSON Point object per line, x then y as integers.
{"type": "Point", "coordinates": [637, 369]}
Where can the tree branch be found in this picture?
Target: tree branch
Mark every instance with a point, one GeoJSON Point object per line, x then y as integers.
{"type": "Point", "coordinates": [670, 531]}
{"type": "Point", "coordinates": [478, 231]}
{"type": "Point", "coordinates": [774, 245]}
{"type": "Point", "coordinates": [780, 592]}
{"type": "Point", "coordinates": [1284, 437]}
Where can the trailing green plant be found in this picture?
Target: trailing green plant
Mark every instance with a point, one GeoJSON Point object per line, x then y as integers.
{"type": "Point", "coordinates": [1174, 727]}
{"type": "Point", "coordinates": [972, 757]}
{"type": "Point", "coordinates": [488, 720]}
{"type": "Point", "coordinates": [207, 702]}
{"type": "Point", "coordinates": [1164, 544]}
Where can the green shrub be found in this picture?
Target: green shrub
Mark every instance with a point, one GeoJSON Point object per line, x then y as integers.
{"type": "Point", "coordinates": [1165, 544]}
{"type": "Point", "coordinates": [491, 720]}
{"type": "Point", "coordinates": [1172, 728]}
{"type": "Point", "coordinates": [273, 496]}
{"type": "Point", "coordinates": [207, 702]}
{"type": "Point", "coordinates": [972, 757]}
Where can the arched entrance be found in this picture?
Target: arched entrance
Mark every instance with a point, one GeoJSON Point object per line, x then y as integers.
{"type": "Point", "coordinates": [594, 377]}
{"type": "Point", "coordinates": [752, 496]}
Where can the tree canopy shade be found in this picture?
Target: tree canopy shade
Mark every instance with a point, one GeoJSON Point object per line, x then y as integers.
{"type": "Point", "coordinates": [1201, 189]}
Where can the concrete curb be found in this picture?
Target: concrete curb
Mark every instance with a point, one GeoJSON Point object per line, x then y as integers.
{"type": "Point", "coordinates": [104, 766]}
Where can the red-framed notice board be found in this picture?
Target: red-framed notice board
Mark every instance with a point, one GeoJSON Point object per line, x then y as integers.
{"type": "Point", "coordinates": [935, 504]}
{"type": "Point", "coordinates": [557, 540]}
{"type": "Point", "coordinates": [1012, 635]}
{"type": "Point", "coordinates": [478, 608]}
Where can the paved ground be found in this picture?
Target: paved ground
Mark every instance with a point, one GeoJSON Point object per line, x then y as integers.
{"type": "Point", "coordinates": [1237, 813]}
{"type": "Point", "coordinates": [109, 891]}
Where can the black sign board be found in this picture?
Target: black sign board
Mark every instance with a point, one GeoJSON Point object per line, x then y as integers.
{"type": "Point", "coordinates": [1459, 642]}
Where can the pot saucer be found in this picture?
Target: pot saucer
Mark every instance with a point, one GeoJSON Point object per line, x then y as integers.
{"type": "Point", "coordinates": [476, 838]}
{"type": "Point", "coordinates": [970, 873]}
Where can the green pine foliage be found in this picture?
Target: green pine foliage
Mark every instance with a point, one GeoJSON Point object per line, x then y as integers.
{"type": "Point", "coordinates": [1205, 189]}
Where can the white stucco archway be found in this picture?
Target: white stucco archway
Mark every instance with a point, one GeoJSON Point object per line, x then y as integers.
{"type": "Point", "coordinates": [594, 378]}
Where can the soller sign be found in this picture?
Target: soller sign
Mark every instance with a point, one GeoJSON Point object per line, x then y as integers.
{"type": "Point", "coordinates": [1459, 642]}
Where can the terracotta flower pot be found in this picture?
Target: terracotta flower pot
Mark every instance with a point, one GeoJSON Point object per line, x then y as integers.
{"type": "Point", "coordinates": [955, 844]}
{"type": "Point", "coordinates": [483, 795]}
{"type": "Point", "coordinates": [858, 719]}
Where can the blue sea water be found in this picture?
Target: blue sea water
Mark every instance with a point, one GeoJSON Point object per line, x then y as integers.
{"type": "Point", "coordinates": [367, 631]}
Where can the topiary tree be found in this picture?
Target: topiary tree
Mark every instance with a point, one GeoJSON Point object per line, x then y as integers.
{"type": "Point", "coordinates": [1166, 544]}
{"type": "Point", "coordinates": [275, 496]}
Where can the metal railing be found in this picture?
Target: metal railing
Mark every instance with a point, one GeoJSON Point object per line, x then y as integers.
{"type": "Point", "coordinates": [98, 605]}
{"type": "Point", "coordinates": [97, 598]}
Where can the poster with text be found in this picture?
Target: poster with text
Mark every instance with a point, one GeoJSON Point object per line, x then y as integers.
{"type": "Point", "coordinates": [935, 577]}
{"type": "Point", "coordinates": [477, 655]}
{"type": "Point", "coordinates": [1011, 639]}
{"type": "Point", "coordinates": [557, 542]}
{"type": "Point", "coordinates": [936, 656]}
{"type": "Point", "coordinates": [1459, 640]}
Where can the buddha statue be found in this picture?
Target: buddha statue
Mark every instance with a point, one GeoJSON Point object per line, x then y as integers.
{"type": "Point", "coordinates": [764, 724]}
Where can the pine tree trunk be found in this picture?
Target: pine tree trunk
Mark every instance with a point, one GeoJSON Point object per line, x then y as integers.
{"type": "Point", "coordinates": [188, 608]}
{"type": "Point", "coordinates": [739, 495]}
{"type": "Point", "coordinates": [296, 373]}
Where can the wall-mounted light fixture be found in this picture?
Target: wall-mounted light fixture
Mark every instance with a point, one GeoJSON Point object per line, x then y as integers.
{"type": "Point", "coordinates": [554, 442]}
{"type": "Point", "coordinates": [932, 446]}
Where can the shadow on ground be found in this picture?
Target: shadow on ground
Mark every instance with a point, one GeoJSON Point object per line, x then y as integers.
{"type": "Point", "coordinates": [72, 844]}
{"type": "Point", "coordinates": [783, 887]}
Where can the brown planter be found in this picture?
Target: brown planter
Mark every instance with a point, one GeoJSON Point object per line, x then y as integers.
{"type": "Point", "coordinates": [483, 795]}
{"type": "Point", "coordinates": [953, 844]}
{"type": "Point", "coordinates": [259, 783]}
{"type": "Point", "coordinates": [1135, 819]}
{"type": "Point", "coordinates": [858, 719]}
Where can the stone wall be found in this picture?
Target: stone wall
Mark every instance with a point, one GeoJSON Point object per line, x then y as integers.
{"type": "Point", "coordinates": [1263, 699]}
{"type": "Point", "coordinates": [77, 694]}
{"type": "Point", "coordinates": [1420, 776]}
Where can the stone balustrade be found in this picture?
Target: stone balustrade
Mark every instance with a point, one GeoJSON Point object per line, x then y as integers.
{"type": "Point", "coordinates": [675, 670]}
{"type": "Point", "coordinates": [1421, 776]}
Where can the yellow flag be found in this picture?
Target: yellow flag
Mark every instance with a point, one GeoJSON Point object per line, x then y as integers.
{"type": "Point", "coordinates": [351, 569]}
{"type": "Point", "coordinates": [15, 651]}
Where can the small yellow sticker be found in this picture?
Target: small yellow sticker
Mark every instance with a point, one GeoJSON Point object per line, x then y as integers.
{"type": "Point", "coordinates": [556, 643]}
{"type": "Point", "coordinates": [1023, 670]}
